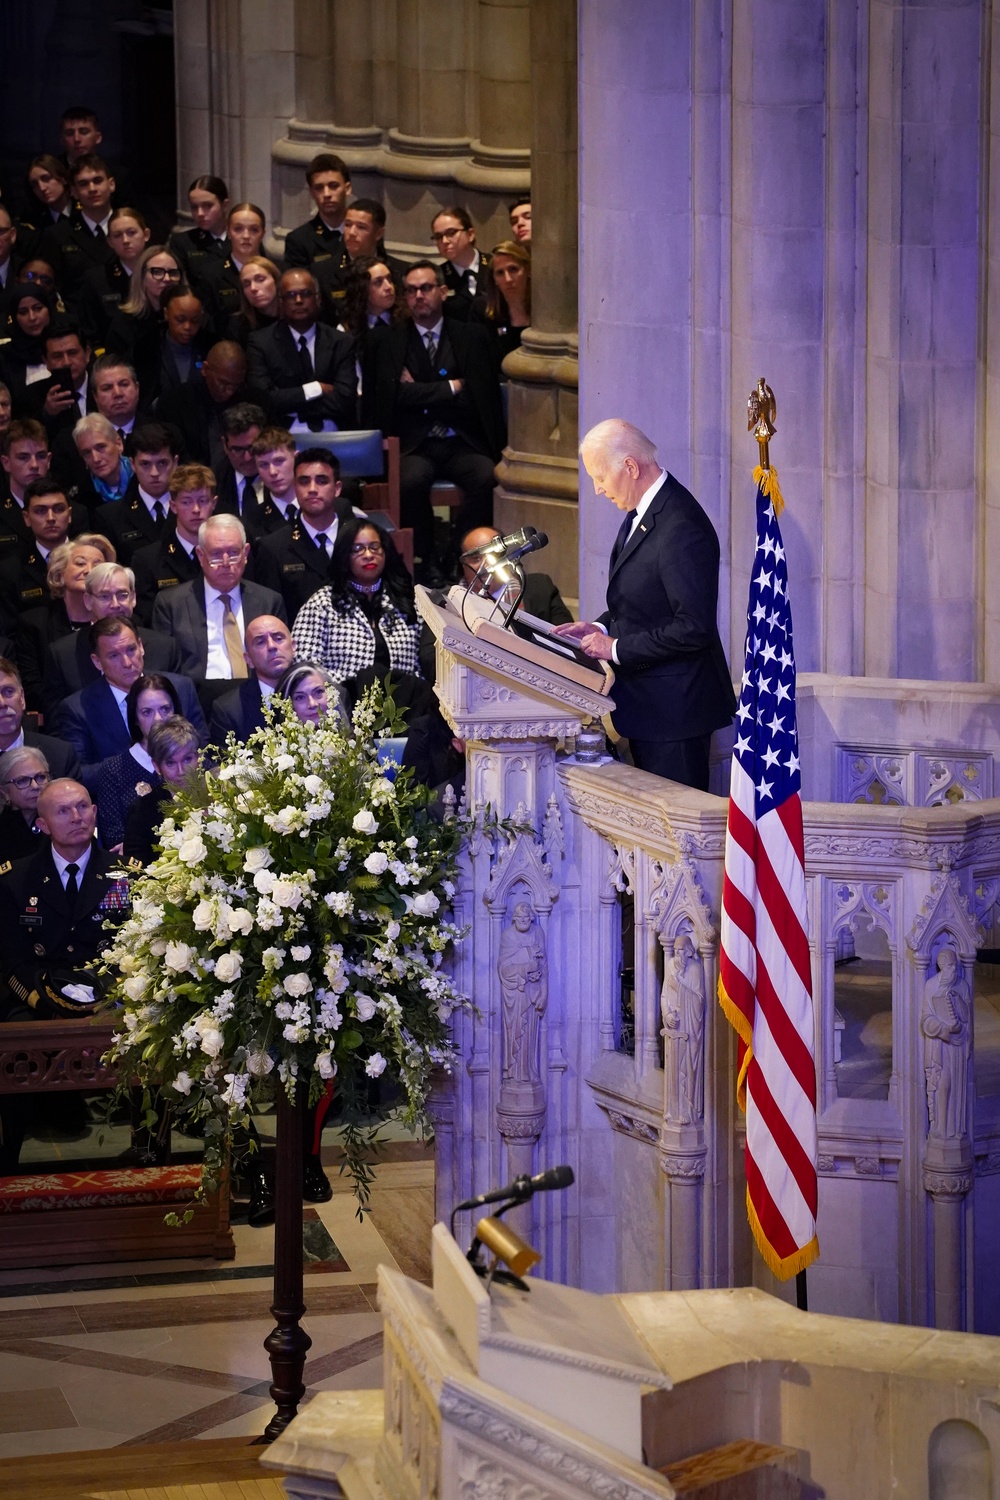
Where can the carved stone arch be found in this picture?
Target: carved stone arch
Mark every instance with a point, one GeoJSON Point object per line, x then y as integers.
{"type": "Point", "coordinates": [621, 870]}
{"type": "Point", "coordinates": [679, 905]}
{"type": "Point", "coordinates": [522, 863]}
{"type": "Point", "coordinates": [854, 902]}
{"type": "Point", "coordinates": [945, 910]}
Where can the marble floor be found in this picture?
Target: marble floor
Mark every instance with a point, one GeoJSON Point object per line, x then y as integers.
{"type": "Point", "coordinates": [101, 1356]}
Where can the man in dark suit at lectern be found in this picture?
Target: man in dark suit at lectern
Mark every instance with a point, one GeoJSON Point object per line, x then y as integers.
{"type": "Point", "coordinates": [672, 686]}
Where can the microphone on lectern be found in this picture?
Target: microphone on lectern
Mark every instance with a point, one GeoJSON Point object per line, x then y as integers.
{"type": "Point", "coordinates": [523, 1188]}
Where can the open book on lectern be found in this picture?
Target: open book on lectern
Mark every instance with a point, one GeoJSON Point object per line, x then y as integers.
{"type": "Point", "coordinates": [531, 638]}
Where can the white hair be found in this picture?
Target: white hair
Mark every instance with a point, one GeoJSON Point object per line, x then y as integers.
{"type": "Point", "coordinates": [94, 423]}
{"type": "Point", "coordinates": [103, 573]}
{"type": "Point", "coordinates": [619, 440]}
{"type": "Point", "coordinates": [220, 519]}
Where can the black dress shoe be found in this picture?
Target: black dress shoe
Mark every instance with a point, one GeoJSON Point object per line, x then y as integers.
{"type": "Point", "coordinates": [261, 1210]}
{"type": "Point", "coordinates": [315, 1183]}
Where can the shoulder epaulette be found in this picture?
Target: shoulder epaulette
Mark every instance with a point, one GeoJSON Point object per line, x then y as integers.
{"type": "Point", "coordinates": [7, 865]}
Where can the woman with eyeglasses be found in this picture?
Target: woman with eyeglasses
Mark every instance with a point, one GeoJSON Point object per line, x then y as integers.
{"type": "Point", "coordinates": [38, 628]}
{"type": "Point", "coordinates": [30, 309]}
{"type": "Point", "coordinates": [23, 773]}
{"type": "Point", "coordinates": [259, 279]}
{"type": "Point", "coordinates": [364, 624]}
{"type": "Point", "coordinates": [138, 329]}
{"type": "Point", "coordinates": [152, 699]}
{"type": "Point", "coordinates": [106, 287]}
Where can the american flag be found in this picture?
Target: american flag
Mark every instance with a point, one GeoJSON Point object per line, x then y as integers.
{"type": "Point", "coordinates": [765, 985]}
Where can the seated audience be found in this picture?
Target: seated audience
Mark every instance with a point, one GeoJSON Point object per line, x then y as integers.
{"type": "Point", "coordinates": [209, 200]}
{"type": "Point", "coordinates": [274, 453]}
{"type": "Point", "coordinates": [541, 597]}
{"type": "Point", "coordinates": [364, 225]}
{"type": "Point", "coordinates": [24, 456]}
{"type": "Point", "coordinates": [304, 368]}
{"type": "Point", "coordinates": [321, 237]}
{"type": "Point", "coordinates": [130, 774]}
{"type": "Point", "coordinates": [8, 239]}
{"type": "Point", "coordinates": [109, 592]}
{"type": "Point", "coordinates": [24, 574]}
{"type": "Point", "coordinates": [137, 329]}
{"type": "Point", "coordinates": [269, 651]}
{"type": "Point", "coordinates": [5, 410]}
{"type": "Point", "coordinates": [66, 613]}
{"type": "Point", "coordinates": [107, 286]}
{"type": "Point", "coordinates": [311, 691]}
{"type": "Point", "coordinates": [520, 220]}
{"type": "Point", "coordinates": [30, 309]}
{"type": "Point", "coordinates": [196, 409]}
{"type": "Point", "coordinates": [140, 516]}
{"type": "Point", "coordinates": [60, 400]}
{"type": "Point", "coordinates": [61, 757]}
{"type": "Point", "coordinates": [23, 774]}
{"type": "Point", "coordinates": [172, 561]}
{"type": "Point", "coordinates": [297, 559]}
{"type": "Point", "coordinates": [217, 279]}
{"type": "Point", "coordinates": [93, 720]}
{"type": "Point", "coordinates": [372, 298]}
{"type": "Point", "coordinates": [258, 307]}
{"type": "Point", "coordinates": [508, 299]}
{"type": "Point", "coordinates": [465, 271]}
{"type": "Point", "coordinates": [366, 616]}
{"type": "Point", "coordinates": [432, 382]}
{"type": "Point", "coordinates": [102, 452]}
{"type": "Point", "coordinates": [208, 616]}
{"type": "Point", "coordinates": [76, 244]}
{"type": "Point", "coordinates": [183, 345]}
{"type": "Point", "coordinates": [240, 487]}
{"type": "Point", "coordinates": [49, 188]}
{"type": "Point", "coordinates": [173, 749]}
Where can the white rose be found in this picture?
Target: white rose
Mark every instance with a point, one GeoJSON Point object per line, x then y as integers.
{"type": "Point", "coordinates": [377, 863]}
{"type": "Point", "coordinates": [375, 1066]}
{"type": "Point", "coordinates": [256, 859]}
{"type": "Point", "coordinates": [364, 1007]}
{"type": "Point", "coordinates": [301, 955]}
{"type": "Point", "coordinates": [259, 1064]}
{"type": "Point", "coordinates": [313, 785]}
{"type": "Point", "coordinates": [136, 986]}
{"type": "Point", "coordinates": [365, 821]}
{"type": "Point", "coordinates": [286, 893]}
{"type": "Point", "coordinates": [426, 904]}
{"type": "Point", "coordinates": [298, 984]}
{"type": "Point", "coordinates": [210, 1038]}
{"type": "Point", "coordinates": [228, 967]}
{"type": "Point", "coordinates": [204, 916]}
{"type": "Point", "coordinates": [325, 1065]}
{"type": "Point", "coordinates": [263, 881]}
{"type": "Point", "coordinates": [241, 921]}
{"type": "Point", "coordinates": [178, 957]}
{"type": "Point", "coordinates": [183, 1084]}
{"type": "Point", "coordinates": [192, 851]}
{"type": "Point", "coordinates": [392, 931]}
{"type": "Point", "coordinates": [284, 762]}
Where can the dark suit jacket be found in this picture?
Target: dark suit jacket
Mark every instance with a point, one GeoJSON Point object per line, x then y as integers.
{"type": "Point", "coordinates": [542, 598]}
{"type": "Point", "coordinates": [457, 283]}
{"type": "Point", "coordinates": [217, 282]}
{"type": "Point", "coordinates": [72, 250]}
{"type": "Point", "coordinates": [128, 524]}
{"type": "Point", "coordinates": [672, 681]}
{"type": "Point", "coordinates": [290, 561]}
{"type": "Point", "coordinates": [312, 241]}
{"type": "Point", "coordinates": [408, 410]}
{"type": "Point", "coordinates": [276, 369]}
{"type": "Point", "coordinates": [62, 758]}
{"type": "Point", "coordinates": [40, 929]}
{"type": "Point", "coordinates": [91, 722]}
{"type": "Point", "coordinates": [160, 565]}
{"type": "Point", "coordinates": [193, 247]}
{"type": "Point", "coordinates": [68, 666]}
{"type": "Point", "coordinates": [240, 712]}
{"type": "Point", "coordinates": [102, 293]}
{"type": "Point", "coordinates": [190, 409]}
{"type": "Point", "coordinates": [37, 630]}
{"type": "Point", "coordinates": [181, 614]}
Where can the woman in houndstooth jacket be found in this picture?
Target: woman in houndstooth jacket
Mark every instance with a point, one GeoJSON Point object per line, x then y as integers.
{"type": "Point", "coordinates": [366, 617]}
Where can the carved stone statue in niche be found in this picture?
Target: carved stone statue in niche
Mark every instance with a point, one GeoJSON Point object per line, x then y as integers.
{"type": "Point", "coordinates": [946, 1020]}
{"type": "Point", "coordinates": [524, 984]}
{"type": "Point", "coordinates": [682, 1008]}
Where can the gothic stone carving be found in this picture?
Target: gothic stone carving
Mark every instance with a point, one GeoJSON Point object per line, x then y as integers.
{"type": "Point", "coordinates": [523, 968]}
{"type": "Point", "coordinates": [946, 1022]}
{"type": "Point", "coordinates": [682, 1007]}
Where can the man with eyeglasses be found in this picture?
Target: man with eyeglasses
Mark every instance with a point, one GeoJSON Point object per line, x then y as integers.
{"type": "Point", "coordinates": [109, 592]}
{"type": "Point", "coordinates": [305, 368]}
{"type": "Point", "coordinates": [433, 382]}
{"type": "Point", "coordinates": [62, 759]}
{"type": "Point", "coordinates": [77, 244]}
{"type": "Point", "coordinates": [94, 719]}
{"type": "Point", "coordinates": [240, 487]}
{"type": "Point", "coordinates": [208, 617]}
{"type": "Point", "coordinates": [466, 267]}
{"type": "Point", "coordinates": [140, 517]}
{"type": "Point", "coordinates": [296, 559]}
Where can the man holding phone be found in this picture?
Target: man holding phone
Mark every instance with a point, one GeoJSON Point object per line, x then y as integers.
{"type": "Point", "coordinates": [63, 399]}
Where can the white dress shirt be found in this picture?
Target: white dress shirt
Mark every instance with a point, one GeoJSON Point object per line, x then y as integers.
{"type": "Point", "coordinates": [93, 224]}
{"type": "Point", "coordinates": [149, 501]}
{"type": "Point", "coordinates": [330, 532]}
{"type": "Point", "coordinates": [81, 862]}
{"type": "Point", "coordinates": [219, 664]}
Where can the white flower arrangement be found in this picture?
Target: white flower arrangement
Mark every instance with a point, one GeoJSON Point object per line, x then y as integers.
{"type": "Point", "coordinates": [271, 944]}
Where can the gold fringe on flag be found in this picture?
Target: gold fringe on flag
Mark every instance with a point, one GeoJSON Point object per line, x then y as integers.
{"type": "Point", "coordinates": [767, 479]}
{"type": "Point", "coordinates": [792, 1264]}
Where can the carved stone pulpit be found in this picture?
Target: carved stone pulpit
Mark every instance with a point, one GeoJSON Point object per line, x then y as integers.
{"type": "Point", "coordinates": [517, 706]}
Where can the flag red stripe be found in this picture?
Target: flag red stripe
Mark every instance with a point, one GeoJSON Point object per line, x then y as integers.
{"type": "Point", "coordinates": [778, 1234]}
{"type": "Point", "coordinates": [788, 1144]}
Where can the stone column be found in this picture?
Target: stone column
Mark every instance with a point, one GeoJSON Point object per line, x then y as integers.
{"type": "Point", "coordinates": [948, 1182]}
{"type": "Point", "coordinates": [314, 60]}
{"type": "Point", "coordinates": [433, 73]}
{"type": "Point", "coordinates": [537, 476]}
{"type": "Point", "coordinates": [505, 94]}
